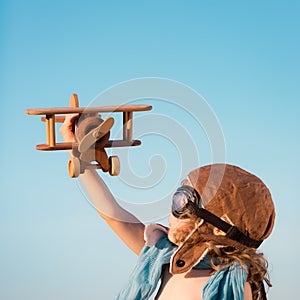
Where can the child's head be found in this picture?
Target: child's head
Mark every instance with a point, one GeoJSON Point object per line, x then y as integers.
{"type": "Point", "coordinates": [229, 193]}
{"type": "Point", "coordinates": [225, 205]}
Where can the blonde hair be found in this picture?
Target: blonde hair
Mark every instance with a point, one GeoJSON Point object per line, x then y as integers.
{"type": "Point", "coordinates": [253, 262]}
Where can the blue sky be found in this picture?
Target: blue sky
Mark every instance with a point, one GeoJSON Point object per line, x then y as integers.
{"type": "Point", "coordinates": [241, 56]}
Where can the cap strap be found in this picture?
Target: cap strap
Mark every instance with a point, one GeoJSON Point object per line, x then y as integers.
{"type": "Point", "coordinates": [235, 234]}
{"type": "Point", "coordinates": [232, 232]}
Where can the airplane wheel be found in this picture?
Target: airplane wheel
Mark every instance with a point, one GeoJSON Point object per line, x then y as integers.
{"type": "Point", "coordinates": [74, 167]}
{"type": "Point", "coordinates": [114, 162]}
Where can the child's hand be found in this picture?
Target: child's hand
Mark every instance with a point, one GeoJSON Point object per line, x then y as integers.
{"type": "Point", "coordinates": [67, 126]}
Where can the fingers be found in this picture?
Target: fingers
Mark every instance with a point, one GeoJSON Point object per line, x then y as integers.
{"type": "Point", "coordinates": [66, 130]}
{"type": "Point", "coordinates": [70, 119]}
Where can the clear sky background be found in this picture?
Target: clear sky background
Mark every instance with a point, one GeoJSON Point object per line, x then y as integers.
{"type": "Point", "coordinates": [241, 56]}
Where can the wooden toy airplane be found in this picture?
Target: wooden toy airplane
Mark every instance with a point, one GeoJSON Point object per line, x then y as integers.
{"type": "Point", "coordinates": [91, 135]}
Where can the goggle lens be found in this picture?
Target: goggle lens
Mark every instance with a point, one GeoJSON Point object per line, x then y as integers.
{"type": "Point", "coordinates": [179, 202]}
{"type": "Point", "coordinates": [181, 199]}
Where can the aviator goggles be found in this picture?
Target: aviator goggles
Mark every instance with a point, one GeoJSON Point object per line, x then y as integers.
{"type": "Point", "coordinates": [186, 201]}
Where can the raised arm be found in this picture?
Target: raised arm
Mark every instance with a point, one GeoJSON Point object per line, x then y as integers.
{"type": "Point", "coordinates": [122, 222]}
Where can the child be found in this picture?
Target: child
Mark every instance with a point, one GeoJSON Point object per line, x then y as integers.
{"type": "Point", "coordinates": [220, 216]}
